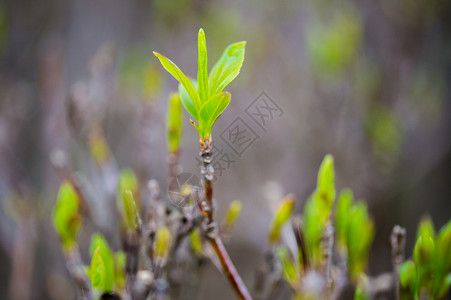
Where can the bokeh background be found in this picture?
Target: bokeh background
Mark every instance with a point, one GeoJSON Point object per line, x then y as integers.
{"type": "Point", "coordinates": [365, 80]}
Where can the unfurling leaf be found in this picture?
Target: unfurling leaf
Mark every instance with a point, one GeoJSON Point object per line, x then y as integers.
{"type": "Point", "coordinates": [202, 73]}
{"type": "Point", "coordinates": [174, 123]}
{"type": "Point", "coordinates": [281, 216]}
{"type": "Point", "coordinates": [193, 105]}
{"type": "Point", "coordinates": [97, 272]}
{"type": "Point", "coordinates": [66, 218]}
{"type": "Point", "coordinates": [407, 275]}
{"type": "Point", "coordinates": [204, 99]}
{"type": "Point", "coordinates": [360, 235]}
{"type": "Point", "coordinates": [342, 217]}
{"type": "Point", "coordinates": [227, 68]}
{"type": "Point", "coordinates": [99, 242]}
{"type": "Point", "coordinates": [289, 270]}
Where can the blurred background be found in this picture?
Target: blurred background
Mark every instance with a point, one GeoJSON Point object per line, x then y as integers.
{"type": "Point", "coordinates": [367, 81]}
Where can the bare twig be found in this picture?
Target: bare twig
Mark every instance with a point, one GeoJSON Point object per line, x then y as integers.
{"type": "Point", "coordinates": [398, 241]}
{"type": "Point", "coordinates": [75, 267]}
{"type": "Point", "coordinates": [228, 267]}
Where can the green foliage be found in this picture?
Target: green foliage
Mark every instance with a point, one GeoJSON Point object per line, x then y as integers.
{"type": "Point", "coordinates": [360, 234]}
{"type": "Point", "coordinates": [204, 100]}
{"type": "Point", "coordinates": [344, 202]}
{"type": "Point", "coordinates": [289, 270]}
{"type": "Point", "coordinates": [232, 214]}
{"type": "Point", "coordinates": [282, 215]}
{"type": "Point", "coordinates": [97, 272]}
{"type": "Point", "coordinates": [407, 275]}
{"type": "Point", "coordinates": [430, 269]}
{"type": "Point", "coordinates": [162, 242]}
{"type": "Point", "coordinates": [66, 218]}
{"type": "Point", "coordinates": [174, 123]}
{"type": "Point", "coordinates": [99, 242]}
{"type": "Point", "coordinates": [318, 209]}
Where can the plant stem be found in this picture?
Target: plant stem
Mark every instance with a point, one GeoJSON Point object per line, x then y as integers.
{"type": "Point", "coordinates": [75, 267]}
{"type": "Point", "coordinates": [228, 267]}
{"type": "Point", "coordinates": [398, 241]}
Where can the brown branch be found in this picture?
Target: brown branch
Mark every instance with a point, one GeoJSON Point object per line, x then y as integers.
{"type": "Point", "coordinates": [206, 206]}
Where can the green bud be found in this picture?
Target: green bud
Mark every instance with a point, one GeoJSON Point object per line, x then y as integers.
{"type": "Point", "coordinates": [360, 235]}
{"type": "Point", "coordinates": [446, 283]}
{"type": "Point", "coordinates": [423, 251]}
{"type": "Point", "coordinates": [282, 215]}
{"type": "Point", "coordinates": [66, 218]}
{"type": "Point", "coordinates": [289, 270]}
{"type": "Point", "coordinates": [97, 272]}
{"type": "Point", "coordinates": [196, 241]}
{"type": "Point", "coordinates": [162, 242]}
{"type": "Point", "coordinates": [174, 123]}
{"type": "Point", "coordinates": [443, 243]}
{"type": "Point", "coordinates": [342, 218]}
{"type": "Point", "coordinates": [131, 215]}
{"type": "Point", "coordinates": [326, 183]}
{"type": "Point", "coordinates": [99, 242]}
{"type": "Point", "coordinates": [426, 228]}
{"type": "Point", "coordinates": [407, 275]}
{"type": "Point", "coordinates": [232, 214]}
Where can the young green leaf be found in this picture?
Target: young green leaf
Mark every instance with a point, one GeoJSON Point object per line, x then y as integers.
{"type": "Point", "coordinates": [97, 272]}
{"type": "Point", "coordinates": [326, 183]}
{"type": "Point", "coordinates": [227, 68]}
{"type": "Point", "coordinates": [289, 270]}
{"type": "Point", "coordinates": [211, 110]}
{"type": "Point", "coordinates": [443, 242]}
{"type": "Point", "coordinates": [282, 215]}
{"type": "Point", "coordinates": [174, 123]}
{"type": "Point", "coordinates": [202, 73]}
{"type": "Point", "coordinates": [132, 220]}
{"type": "Point", "coordinates": [344, 202]}
{"type": "Point", "coordinates": [99, 242]}
{"type": "Point", "coordinates": [407, 274]}
{"type": "Point", "coordinates": [360, 235]}
{"type": "Point", "coordinates": [66, 218]}
{"type": "Point", "coordinates": [193, 105]}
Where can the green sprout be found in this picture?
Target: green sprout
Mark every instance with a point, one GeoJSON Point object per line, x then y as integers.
{"type": "Point", "coordinates": [97, 272]}
{"type": "Point", "coordinates": [282, 215]}
{"type": "Point", "coordinates": [205, 100]}
{"type": "Point", "coordinates": [99, 242]}
{"type": "Point", "coordinates": [66, 218]}
{"type": "Point", "coordinates": [318, 209]}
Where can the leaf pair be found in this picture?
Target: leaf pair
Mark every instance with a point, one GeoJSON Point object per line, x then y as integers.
{"type": "Point", "coordinates": [204, 99]}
